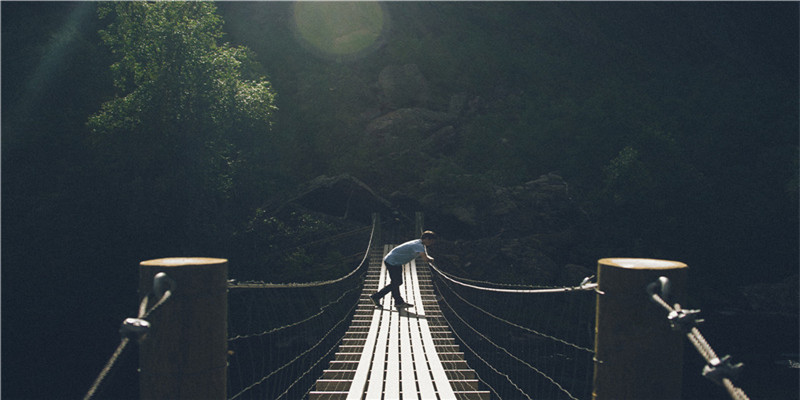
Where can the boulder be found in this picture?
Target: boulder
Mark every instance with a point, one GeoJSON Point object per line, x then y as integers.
{"type": "Point", "coordinates": [407, 122]}
{"type": "Point", "coordinates": [539, 206]}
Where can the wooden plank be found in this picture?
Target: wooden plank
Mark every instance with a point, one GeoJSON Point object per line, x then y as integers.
{"type": "Point", "coordinates": [439, 377]}
{"type": "Point", "coordinates": [392, 387]}
{"type": "Point", "coordinates": [406, 360]}
{"type": "Point", "coordinates": [424, 381]}
{"type": "Point", "coordinates": [407, 380]}
{"type": "Point", "coordinates": [356, 391]}
{"type": "Point", "coordinates": [375, 385]}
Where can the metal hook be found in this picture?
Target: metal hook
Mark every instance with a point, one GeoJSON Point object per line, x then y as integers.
{"type": "Point", "coordinates": [662, 286]}
{"type": "Point", "coordinates": [162, 283]}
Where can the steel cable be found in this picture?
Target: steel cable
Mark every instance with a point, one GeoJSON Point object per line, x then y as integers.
{"type": "Point", "coordinates": [588, 286]}
{"type": "Point", "coordinates": [112, 361]}
{"type": "Point", "coordinates": [717, 369]}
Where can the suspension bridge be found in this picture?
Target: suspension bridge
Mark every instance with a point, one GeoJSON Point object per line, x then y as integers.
{"type": "Point", "coordinates": [462, 339]}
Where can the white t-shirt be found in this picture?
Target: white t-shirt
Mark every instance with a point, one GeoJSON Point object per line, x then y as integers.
{"type": "Point", "coordinates": [404, 252]}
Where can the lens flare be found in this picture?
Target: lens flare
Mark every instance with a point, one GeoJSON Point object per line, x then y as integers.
{"type": "Point", "coordinates": [339, 29]}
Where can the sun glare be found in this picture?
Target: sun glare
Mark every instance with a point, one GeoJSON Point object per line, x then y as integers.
{"type": "Point", "coordinates": [339, 29]}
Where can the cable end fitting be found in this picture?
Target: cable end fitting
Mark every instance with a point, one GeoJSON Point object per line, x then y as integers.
{"type": "Point", "coordinates": [660, 287]}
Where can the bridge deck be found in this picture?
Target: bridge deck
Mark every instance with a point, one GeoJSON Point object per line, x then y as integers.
{"type": "Point", "coordinates": [387, 354]}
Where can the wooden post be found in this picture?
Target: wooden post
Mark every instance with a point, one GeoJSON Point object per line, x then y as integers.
{"type": "Point", "coordinates": [637, 354]}
{"type": "Point", "coordinates": [184, 356]}
{"type": "Point", "coordinates": [376, 224]}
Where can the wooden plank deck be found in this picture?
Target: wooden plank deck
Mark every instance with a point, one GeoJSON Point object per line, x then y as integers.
{"type": "Point", "coordinates": [388, 354]}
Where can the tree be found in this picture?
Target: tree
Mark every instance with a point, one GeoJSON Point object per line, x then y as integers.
{"type": "Point", "coordinates": [190, 116]}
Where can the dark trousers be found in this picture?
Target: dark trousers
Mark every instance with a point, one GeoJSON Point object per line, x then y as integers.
{"type": "Point", "coordinates": [396, 275]}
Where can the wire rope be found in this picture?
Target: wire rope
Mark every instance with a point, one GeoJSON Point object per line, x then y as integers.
{"type": "Point", "coordinates": [544, 335]}
{"type": "Point", "coordinates": [293, 324]}
{"type": "Point", "coordinates": [503, 349]}
{"type": "Point", "coordinates": [261, 285]}
{"type": "Point", "coordinates": [477, 355]}
{"type": "Point", "coordinates": [588, 286]}
{"type": "Point", "coordinates": [264, 378]}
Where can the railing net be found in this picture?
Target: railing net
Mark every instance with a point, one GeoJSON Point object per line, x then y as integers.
{"type": "Point", "coordinates": [524, 343]}
{"type": "Point", "coordinates": [281, 336]}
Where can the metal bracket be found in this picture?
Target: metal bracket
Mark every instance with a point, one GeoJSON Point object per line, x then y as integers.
{"type": "Point", "coordinates": [162, 283]}
{"type": "Point", "coordinates": [720, 368]}
{"type": "Point", "coordinates": [684, 320]}
{"type": "Point", "coordinates": [134, 328]}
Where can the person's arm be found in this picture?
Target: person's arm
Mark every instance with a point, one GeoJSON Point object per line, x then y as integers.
{"type": "Point", "coordinates": [425, 256]}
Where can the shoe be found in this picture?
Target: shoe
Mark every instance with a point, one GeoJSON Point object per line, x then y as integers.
{"type": "Point", "coordinates": [400, 307]}
{"type": "Point", "coordinates": [375, 301]}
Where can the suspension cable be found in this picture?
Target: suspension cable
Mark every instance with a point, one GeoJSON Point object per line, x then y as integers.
{"type": "Point", "coordinates": [293, 324]}
{"type": "Point", "coordinates": [544, 335]}
{"type": "Point", "coordinates": [584, 286]}
{"type": "Point", "coordinates": [263, 285]}
{"type": "Point", "coordinates": [318, 241]}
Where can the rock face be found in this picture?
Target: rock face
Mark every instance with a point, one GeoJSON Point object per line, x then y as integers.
{"type": "Point", "coordinates": [406, 117]}
{"type": "Point", "coordinates": [534, 226]}
{"type": "Point", "coordinates": [542, 205]}
{"type": "Point", "coordinates": [534, 232]}
{"type": "Point", "coordinates": [523, 234]}
{"type": "Point", "coordinates": [413, 122]}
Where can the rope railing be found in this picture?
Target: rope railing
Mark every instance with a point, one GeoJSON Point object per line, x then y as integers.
{"type": "Point", "coordinates": [585, 285]}
{"type": "Point", "coordinates": [265, 285]}
{"type": "Point", "coordinates": [266, 357]}
{"type": "Point", "coordinates": [298, 357]}
{"type": "Point", "coordinates": [484, 334]}
{"type": "Point", "coordinates": [505, 351]}
{"type": "Point", "coordinates": [719, 370]}
{"type": "Point", "coordinates": [515, 325]}
{"type": "Point", "coordinates": [323, 240]}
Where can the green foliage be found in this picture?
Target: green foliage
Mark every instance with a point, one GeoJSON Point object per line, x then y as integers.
{"type": "Point", "coordinates": [171, 71]}
{"type": "Point", "coordinates": [284, 248]}
{"type": "Point", "coordinates": [191, 116]}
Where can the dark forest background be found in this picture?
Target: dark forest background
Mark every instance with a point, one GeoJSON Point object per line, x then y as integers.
{"type": "Point", "coordinates": [675, 126]}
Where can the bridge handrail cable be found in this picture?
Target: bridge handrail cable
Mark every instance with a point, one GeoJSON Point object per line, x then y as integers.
{"type": "Point", "coordinates": [503, 349]}
{"type": "Point", "coordinates": [264, 285]}
{"type": "Point", "coordinates": [544, 335]}
{"type": "Point", "coordinates": [460, 281]}
{"type": "Point", "coordinates": [275, 371]}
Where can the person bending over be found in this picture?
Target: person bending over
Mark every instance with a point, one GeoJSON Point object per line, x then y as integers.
{"type": "Point", "coordinates": [394, 261]}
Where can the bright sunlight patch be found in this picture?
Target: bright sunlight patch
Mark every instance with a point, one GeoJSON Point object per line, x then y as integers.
{"type": "Point", "coordinates": [337, 29]}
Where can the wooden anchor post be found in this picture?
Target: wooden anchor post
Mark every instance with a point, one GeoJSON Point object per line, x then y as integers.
{"type": "Point", "coordinates": [184, 355]}
{"type": "Point", "coordinates": [637, 354]}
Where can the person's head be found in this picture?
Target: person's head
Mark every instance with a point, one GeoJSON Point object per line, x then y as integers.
{"type": "Point", "coordinates": [428, 238]}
